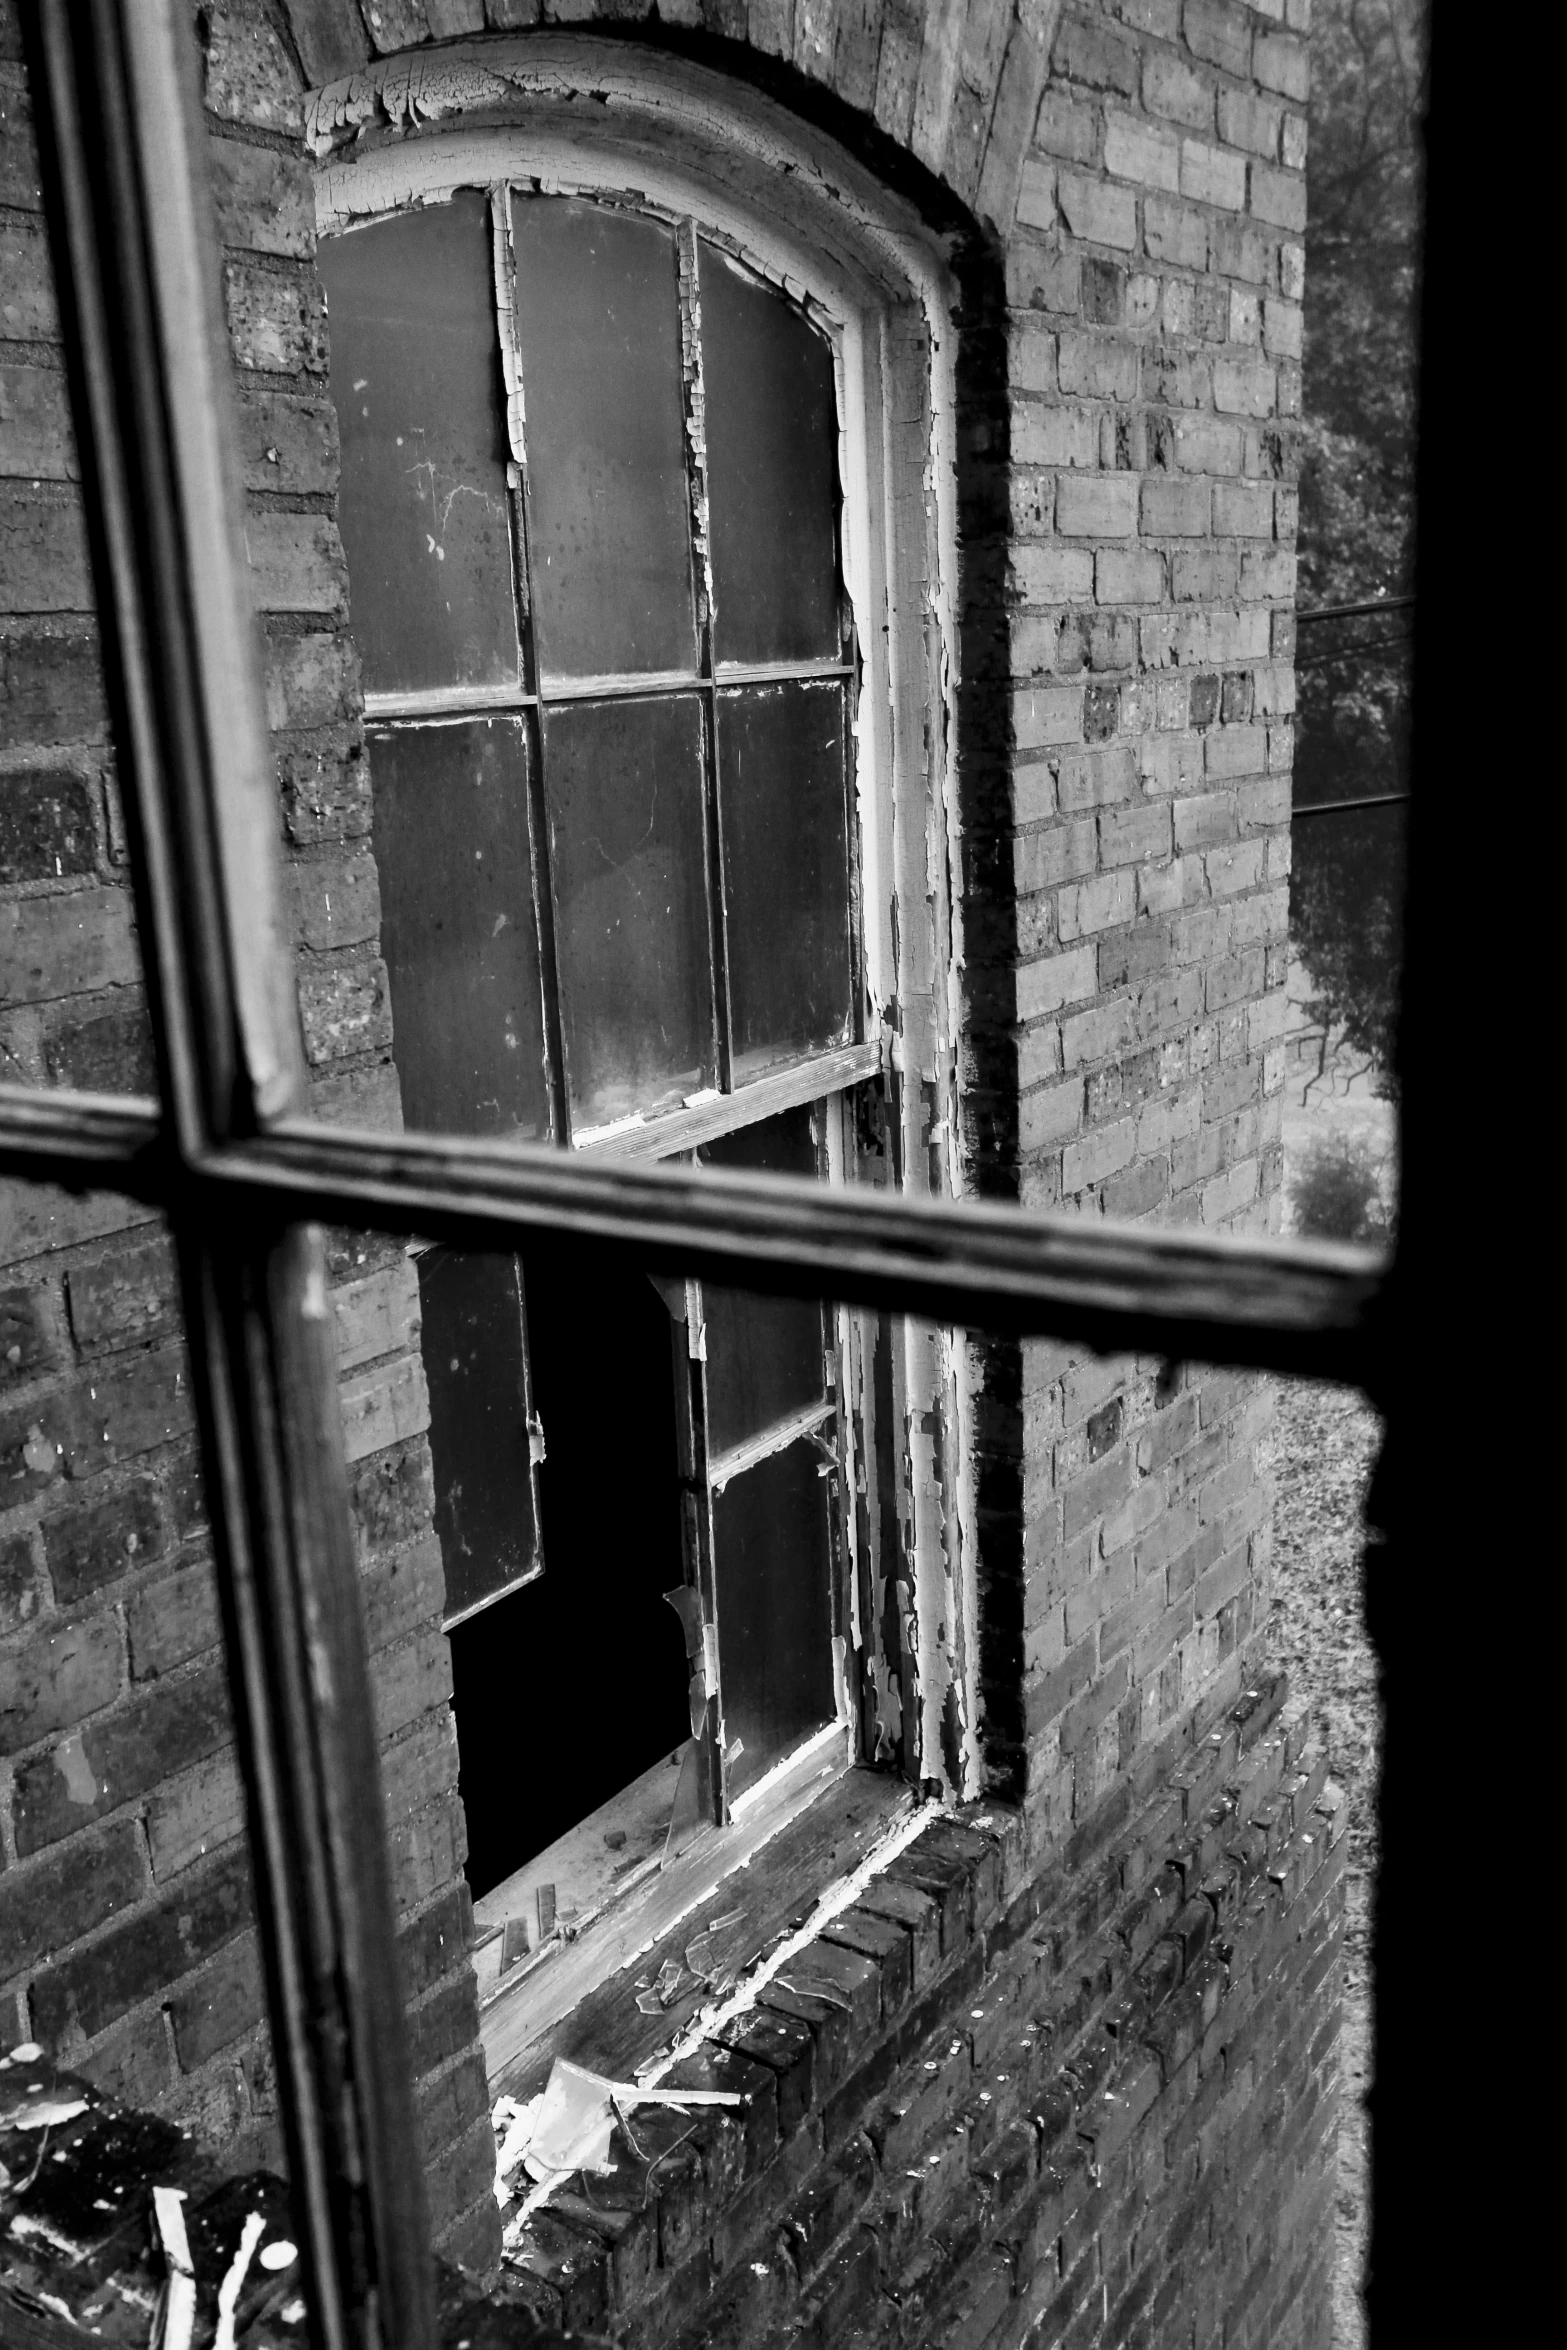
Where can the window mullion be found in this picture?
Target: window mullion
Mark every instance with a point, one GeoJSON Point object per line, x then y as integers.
{"type": "Point", "coordinates": [702, 559]}
{"type": "Point", "coordinates": [538, 810]}
{"type": "Point", "coordinates": [696, 1492]}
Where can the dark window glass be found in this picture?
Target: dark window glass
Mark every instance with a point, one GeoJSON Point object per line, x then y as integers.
{"type": "Point", "coordinates": [772, 460]}
{"type": "Point", "coordinates": [575, 1684]}
{"type": "Point", "coordinates": [764, 1354]}
{"type": "Point", "coordinates": [781, 786]}
{"type": "Point", "coordinates": [416, 377]}
{"type": "Point", "coordinates": [457, 926]}
{"type": "Point", "coordinates": [472, 1313]}
{"type": "Point", "coordinates": [599, 324]}
{"type": "Point", "coordinates": [770, 1545]}
{"type": "Point", "coordinates": [624, 787]}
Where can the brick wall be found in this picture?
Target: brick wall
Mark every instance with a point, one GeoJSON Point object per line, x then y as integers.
{"type": "Point", "coordinates": [1134, 880]}
{"type": "Point", "coordinates": [126, 1941]}
{"type": "Point", "coordinates": [1124, 752]}
{"type": "Point", "coordinates": [996, 2105]}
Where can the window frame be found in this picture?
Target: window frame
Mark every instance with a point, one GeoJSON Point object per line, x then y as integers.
{"type": "Point", "coordinates": [244, 1178]}
{"type": "Point", "coordinates": [882, 294]}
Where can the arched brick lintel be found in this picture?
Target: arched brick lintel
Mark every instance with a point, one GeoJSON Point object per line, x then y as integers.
{"type": "Point", "coordinates": [957, 83]}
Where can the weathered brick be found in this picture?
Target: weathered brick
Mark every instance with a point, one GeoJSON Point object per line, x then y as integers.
{"type": "Point", "coordinates": [50, 1902]}
{"type": "Point", "coordinates": [56, 1678]}
{"type": "Point", "coordinates": [124, 1297]}
{"type": "Point", "coordinates": [66, 945]}
{"type": "Point", "coordinates": [92, 1544]}
{"type": "Point", "coordinates": [119, 1756]}
{"type": "Point", "coordinates": [147, 1950]}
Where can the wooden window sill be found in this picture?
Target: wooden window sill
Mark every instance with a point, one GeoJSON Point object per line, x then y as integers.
{"type": "Point", "coordinates": [815, 1820]}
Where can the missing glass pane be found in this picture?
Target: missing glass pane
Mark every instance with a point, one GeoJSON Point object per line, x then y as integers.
{"type": "Point", "coordinates": [571, 1687]}
{"type": "Point", "coordinates": [457, 926]}
{"type": "Point", "coordinates": [782, 788]}
{"type": "Point", "coordinates": [623, 784]}
{"type": "Point", "coordinates": [772, 454]}
{"type": "Point", "coordinates": [765, 1356]}
{"type": "Point", "coordinates": [423, 506]}
{"type": "Point", "coordinates": [771, 1548]}
{"type": "Point", "coordinates": [599, 325]}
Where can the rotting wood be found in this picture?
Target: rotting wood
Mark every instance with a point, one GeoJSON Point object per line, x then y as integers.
{"type": "Point", "coordinates": [583, 2003]}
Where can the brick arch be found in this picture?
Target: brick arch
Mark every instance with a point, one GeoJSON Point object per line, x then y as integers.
{"type": "Point", "coordinates": [955, 82]}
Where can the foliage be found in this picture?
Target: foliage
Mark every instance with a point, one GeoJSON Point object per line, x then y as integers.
{"type": "Point", "coordinates": [1338, 1190]}
{"type": "Point", "coordinates": [1357, 518]}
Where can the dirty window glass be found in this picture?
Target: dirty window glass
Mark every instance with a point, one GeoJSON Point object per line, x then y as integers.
{"type": "Point", "coordinates": [623, 781]}
{"type": "Point", "coordinates": [457, 926]}
{"type": "Point", "coordinates": [772, 464]}
{"type": "Point", "coordinates": [781, 783]}
{"type": "Point", "coordinates": [471, 1311]}
{"type": "Point", "coordinates": [416, 378]}
{"type": "Point", "coordinates": [770, 1547]}
{"type": "Point", "coordinates": [599, 325]}
{"type": "Point", "coordinates": [764, 1354]}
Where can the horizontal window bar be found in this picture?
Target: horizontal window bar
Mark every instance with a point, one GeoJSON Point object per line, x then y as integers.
{"type": "Point", "coordinates": [447, 701]}
{"type": "Point", "coordinates": [1293, 1306]}
{"type": "Point", "coordinates": [64, 1137]}
{"type": "Point", "coordinates": [778, 672]}
{"type": "Point", "coordinates": [1354, 611]}
{"type": "Point", "coordinates": [722, 1113]}
{"type": "Point", "coordinates": [621, 684]}
{"type": "Point", "coordinates": [775, 1439]}
{"type": "Point", "coordinates": [1381, 799]}
{"type": "Point", "coordinates": [617, 686]}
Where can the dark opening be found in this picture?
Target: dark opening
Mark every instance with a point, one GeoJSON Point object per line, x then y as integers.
{"type": "Point", "coordinates": [570, 1688]}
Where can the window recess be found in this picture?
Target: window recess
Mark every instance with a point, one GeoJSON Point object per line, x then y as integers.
{"type": "Point", "coordinates": [617, 749]}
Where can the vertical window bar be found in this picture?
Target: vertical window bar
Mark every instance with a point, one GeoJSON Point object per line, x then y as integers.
{"type": "Point", "coordinates": [122, 156]}
{"type": "Point", "coordinates": [538, 806]}
{"type": "Point", "coordinates": [691, 1417]}
{"type": "Point", "coordinates": [702, 551]}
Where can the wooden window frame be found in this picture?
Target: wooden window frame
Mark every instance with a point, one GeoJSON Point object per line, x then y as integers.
{"type": "Point", "coordinates": [878, 288]}
{"type": "Point", "coordinates": [244, 1178]}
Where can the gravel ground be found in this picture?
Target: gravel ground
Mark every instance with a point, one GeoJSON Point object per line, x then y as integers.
{"type": "Point", "coordinates": [1324, 1448]}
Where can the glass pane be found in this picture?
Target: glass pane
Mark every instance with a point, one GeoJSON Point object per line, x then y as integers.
{"type": "Point", "coordinates": [457, 926]}
{"type": "Point", "coordinates": [772, 460]}
{"type": "Point", "coordinates": [475, 1367]}
{"type": "Point", "coordinates": [572, 1687]}
{"type": "Point", "coordinates": [781, 789]}
{"type": "Point", "coordinates": [416, 376]}
{"type": "Point", "coordinates": [764, 1354]}
{"type": "Point", "coordinates": [770, 1545]}
{"type": "Point", "coordinates": [623, 781]}
{"type": "Point", "coordinates": [598, 319]}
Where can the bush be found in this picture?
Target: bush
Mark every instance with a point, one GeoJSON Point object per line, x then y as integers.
{"type": "Point", "coordinates": [1338, 1191]}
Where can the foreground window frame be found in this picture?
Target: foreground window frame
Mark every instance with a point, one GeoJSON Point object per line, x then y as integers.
{"type": "Point", "coordinates": [244, 1178]}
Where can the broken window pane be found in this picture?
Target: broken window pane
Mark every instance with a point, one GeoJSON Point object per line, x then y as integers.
{"type": "Point", "coordinates": [598, 321]}
{"type": "Point", "coordinates": [782, 798]}
{"type": "Point", "coordinates": [457, 926]}
{"type": "Point", "coordinates": [574, 1685]}
{"type": "Point", "coordinates": [623, 782]}
{"type": "Point", "coordinates": [475, 1362]}
{"type": "Point", "coordinates": [764, 1354]}
{"type": "Point", "coordinates": [771, 1549]}
{"type": "Point", "coordinates": [772, 470]}
{"type": "Point", "coordinates": [416, 376]}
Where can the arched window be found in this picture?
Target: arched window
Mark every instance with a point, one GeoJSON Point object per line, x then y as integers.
{"type": "Point", "coordinates": [646, 502]}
